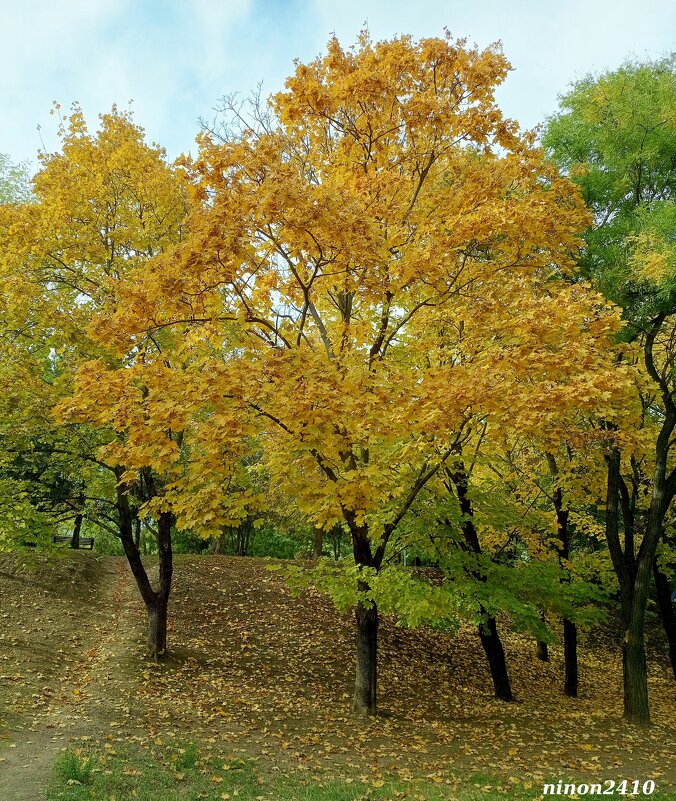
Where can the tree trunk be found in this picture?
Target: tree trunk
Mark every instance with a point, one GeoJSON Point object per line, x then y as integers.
{"type": "Point", "coordinates": [488, 631]}
{"type": "Point", "coordinates": [137, 532]}
{"type": "Point", "coordinates": [635, 672]}
{"type": "Point", "coordinates": [633, 575]}
{"type": "Point", "coordinates": [317, 542]}
{"type": "Point", "coordinates": [164, 590]}
{"type": "Point", "coordinates": [157, 629]}
{"type": "Point", "coordinates": [242, 537]}
{"type": "Point", "coordinates": [570, 681]}
{"type": "Point", "coordinates": [570, 658]}
{"type": "Point", "coordinates": [663, 590]}
{"type": "Point", "coordinates": [495, 654]}
{"type": "Point", "coordinates": [79, 517]}
{"type": "Point", "coordinates": [219, 543]}
{"type": "Point", "coordinates": [75, 540]}
{"type": "Point", "coordinates": [156, 603]}
{"type": "Point", "coordinates": [364, 701]}
{"type": "Point", "coordinates": [542, 649]}
{"type": "Point", "coordinates": [336, 539]}
{"type": "Point", "coordinates": [635, 668]}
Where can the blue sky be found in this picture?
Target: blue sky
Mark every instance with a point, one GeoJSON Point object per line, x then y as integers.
{"type": "Point", "coordinates": [175, 59]}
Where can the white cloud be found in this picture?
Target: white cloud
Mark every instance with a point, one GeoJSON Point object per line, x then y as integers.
{"type": "Point", "coordinates": [175, 58]}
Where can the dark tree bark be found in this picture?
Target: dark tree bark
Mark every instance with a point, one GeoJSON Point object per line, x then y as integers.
{"type": "Point", "coordinates": [75, 539]}
{"type": "Point", "coordinates": [542, 651]}
{"type": "Point", "coordinates": [157, 629]}
{"type": "Point", "coordinates": [365, 700]}
{"type": "Point", "coordinates": [77, 526]}
{"type": "Point", "coordinates": [335, 537]}
{"type": "Point", "coordinates": [495, 654]}
{"type": "Point", "coordinates": [156, 602]}
{"type": "Point", "coordinates": [663, 591]}
{"type": "Point", "coordinates": [488, 630]}
{"type": "Point", "coordinates": [157, 618]}
{"type": "Point", "coordinates": [570, 683]}
{"type": "Point", "coordinates": [137, 532]}
{"type": "Point", "coordinates": [240, 537]}
{"type": "Point", "coordinates": [317, 542]}
{"type": "Point", "coordinates": [633, 569]}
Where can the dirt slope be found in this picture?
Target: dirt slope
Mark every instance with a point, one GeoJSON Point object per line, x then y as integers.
{"type": "Point", "coordinates": [256, 671]}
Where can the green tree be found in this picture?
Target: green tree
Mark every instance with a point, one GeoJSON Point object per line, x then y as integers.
{"type": "Point", "coordinates": [616, 137]}
{"type": "Point", "coordinates": [15, 186]}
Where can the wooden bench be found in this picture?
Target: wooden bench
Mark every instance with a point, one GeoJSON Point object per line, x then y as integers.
{"type": "Point", "coordinates": [85, 542]}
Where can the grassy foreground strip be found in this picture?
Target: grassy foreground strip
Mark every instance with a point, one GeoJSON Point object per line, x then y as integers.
{"type": "Point", "coordinates": [80, 775]}
{"type": "Point", "coordinates": [185, 774]}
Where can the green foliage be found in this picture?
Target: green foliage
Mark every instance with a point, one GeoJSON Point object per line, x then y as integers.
{"type": "Point", "coordinates": [15, 184]}
{"type": "Point", "coordinates": [184, 542]}
{"type": "Point", "coordinates": [274, 543]}
{"type": "Point", "coordinates": [21, 521]}
{"type": "Point", "coordinates": [443, 597]}
{"type": "Point", "coordinates": [188, 758]}
{"type": "Point", "coordinates": [616, 138]}
{"type": "Point", "coordinates": [72, 768]}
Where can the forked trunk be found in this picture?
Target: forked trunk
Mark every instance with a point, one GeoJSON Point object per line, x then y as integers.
{"type": "Point", "coordinates": [488, 631]}
{"type": "Point", "coordinates": [633, 571]}
{"type": "Point", "coordinates": [156, 603]}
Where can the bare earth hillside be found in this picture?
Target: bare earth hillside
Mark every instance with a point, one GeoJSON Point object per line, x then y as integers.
{"type": "Point", "coordinates": [256, 672]}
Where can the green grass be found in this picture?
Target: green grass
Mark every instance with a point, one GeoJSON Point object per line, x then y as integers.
{"type": "Point", "coordinates": [74, 769]}
{"type": "Point", "coordinates": [186, 774]}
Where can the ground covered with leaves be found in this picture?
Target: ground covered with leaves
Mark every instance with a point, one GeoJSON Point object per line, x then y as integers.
{"type": "Point", "coordinates": [254, 700]}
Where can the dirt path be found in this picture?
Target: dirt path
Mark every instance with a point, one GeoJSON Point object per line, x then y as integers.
{"type": "Point", "coordinates": [67, 701]}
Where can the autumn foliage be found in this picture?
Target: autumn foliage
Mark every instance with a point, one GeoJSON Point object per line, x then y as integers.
{"type": "Point", "coordinates": [362, 294]}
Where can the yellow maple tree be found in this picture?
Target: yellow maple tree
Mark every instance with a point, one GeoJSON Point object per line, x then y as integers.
{"type": "Point", "coordinates": [370, 269]}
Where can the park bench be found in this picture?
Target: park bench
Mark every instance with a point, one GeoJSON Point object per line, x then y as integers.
{"type": "Point", "coordinates": [85, 542]}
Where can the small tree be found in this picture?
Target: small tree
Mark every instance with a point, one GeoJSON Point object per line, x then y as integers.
{"type": "Point", "coordinates": [103, 204]}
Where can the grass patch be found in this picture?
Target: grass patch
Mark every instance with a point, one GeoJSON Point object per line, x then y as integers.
{"type": "Point", "coordinates": [174, 773]}
{"type": "Point", "coordinates": [72, 768]}
{"type": "Point", "coordinates": [186, 774]}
